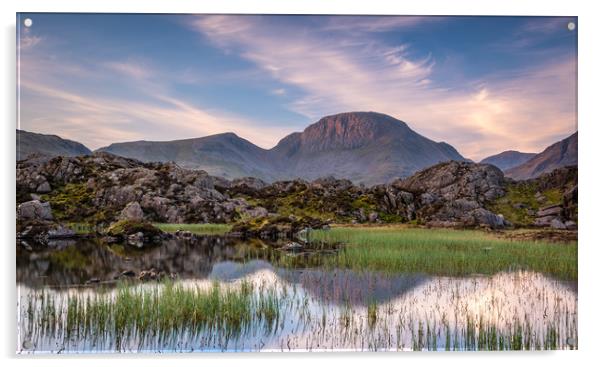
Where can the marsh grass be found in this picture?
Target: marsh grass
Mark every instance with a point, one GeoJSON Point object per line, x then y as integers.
{"type": "Point", "coordinates": [170, 316]}
{"type": "Point", "coordinates": [198, 229]}
{"type": "Point", "coordinates": [160, 313]}
{"type": "Point", "coordinates": [444, 252]}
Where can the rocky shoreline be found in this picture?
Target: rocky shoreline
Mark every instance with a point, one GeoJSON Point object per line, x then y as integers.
{"type": "Point", "coordinates": [120, 197]}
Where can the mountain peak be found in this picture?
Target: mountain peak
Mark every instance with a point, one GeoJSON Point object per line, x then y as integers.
{"type": "Point", "coordinates": [351, 130]}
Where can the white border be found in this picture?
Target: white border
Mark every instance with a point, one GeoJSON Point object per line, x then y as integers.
{"type": "Point", "coordinates": [589, 161]}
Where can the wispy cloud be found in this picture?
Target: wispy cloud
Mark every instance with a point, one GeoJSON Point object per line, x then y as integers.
{"type": "Point", "coordinates": [96, 119]}
{"type": "Point", "coordinates": [130, 69]}
{"type": "Point", "coordinates": [27, 41]}
{"type": "Point", "coordinates": [341, 73]}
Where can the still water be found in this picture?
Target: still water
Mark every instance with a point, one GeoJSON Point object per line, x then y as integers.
{"type": "Point", "coordinates": [300, 306]}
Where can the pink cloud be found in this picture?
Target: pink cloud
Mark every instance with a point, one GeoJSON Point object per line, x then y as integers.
{"type": "Point", "coordinates": [498, 113]}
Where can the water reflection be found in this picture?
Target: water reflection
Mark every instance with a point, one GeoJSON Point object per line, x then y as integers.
{"type": "Point", "coordinates": [288, 308]}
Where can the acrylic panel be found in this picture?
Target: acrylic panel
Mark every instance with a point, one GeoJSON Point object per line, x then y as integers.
{"type": "Point", "coordinates": [202, 183]}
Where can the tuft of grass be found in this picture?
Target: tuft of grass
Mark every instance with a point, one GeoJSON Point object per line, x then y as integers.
{"type": "Point", "coordinates": [444, 252]}
{"type": "Point", "coordinates": [199, 229]}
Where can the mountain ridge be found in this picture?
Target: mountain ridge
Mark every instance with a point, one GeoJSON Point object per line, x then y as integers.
{"type": "Point", "coordinates": [560, 154]}
{"type": "Point", "coordinates": [28, 143]}
{"type": "Point", "coordinates": [508, 159]}
{"type": "Point", "coordinates": [366, 147]}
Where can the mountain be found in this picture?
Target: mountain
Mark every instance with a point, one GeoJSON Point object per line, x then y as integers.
{"type": "Point", "coordinates": [508, 159]}
{"type": "Point", "coordinates": [365, 147]}
{"type": "Point", "coordinates": [225, 155]}
{"type": "Point", "coordinates": [557, 155]}
{"type": "Point", "coordinates": [51, 145]}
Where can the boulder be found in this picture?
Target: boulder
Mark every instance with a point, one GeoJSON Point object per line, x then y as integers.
{"type": "Point", "coordinates": [248, 182]}
{"type": "Point", "coordinates": [454, 180]}
{"type": "Point", "coordinates": [60, 232]}
{"type": "Point", "coordinates": [486, 218]}
{"type": "Point", "coordinates": [34, 210]}
{"type": "Point", "coordinates": [552, 210]}
{"type": "Point", "coordinates": [557, 224]}
{"type": "Point", "coordinates": [544, 221]}
{"type": "Point", "coordinates": [373, 217]}
{"type": "Point", "coordinates": [43, 188]}
{"type": "Point", "coordinates": [132, 211]}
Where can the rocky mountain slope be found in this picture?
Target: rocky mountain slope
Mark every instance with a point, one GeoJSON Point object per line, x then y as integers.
{"type": "Point", "coordinates": [50, 145]}
{"type": "Point", "coordinates": [508, 159]}
{"type": "Point", "coordinates": [557, 155]}
{"type": "Point", "coordinates": [365, 147]}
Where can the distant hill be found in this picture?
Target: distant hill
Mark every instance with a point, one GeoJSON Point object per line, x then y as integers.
{"type": "Point", "coordinates": [50, 145]}
{"type": "Point", "coordinates": [508, 159]}
{"type": "Point", "coordinates": [365, 147]}
{"type": "Point", "coordinates": [557, 155]}
{"type": "Point", "coordinates": [225, 155]}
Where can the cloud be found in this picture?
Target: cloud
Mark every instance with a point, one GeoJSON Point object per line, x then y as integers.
{"type": "Point", "coordinates": [278, 91]}
{"type": "Point", "coordinates": [27, 41]}
{"type": "Point", "coordinates": [338, 72]}
{"type": "Point", "coordinates": [130, 69]}
{"type": "Point", "coordinates": [49, 105]}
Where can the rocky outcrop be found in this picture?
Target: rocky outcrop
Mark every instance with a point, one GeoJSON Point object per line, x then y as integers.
{"type": "Point", "coordinates": [102, 188]}
{"type": "Point", "coordinates": [275, 227]}
{"type": "Point", "coordinates": [451, 194]}
{"type": "Point", "coordinates": [34, 210]}
{"type": "Point", "coordinates": [562, 215]}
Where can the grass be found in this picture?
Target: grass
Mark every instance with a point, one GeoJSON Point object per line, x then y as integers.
{"type": "Point", "coordinates": [172, 316]}
{"type": "Point", "coordinates": [199, 229]}
{"type": "Point", "coordinates": [159, 312]}
{"type": "Point", "coordinates": [444, 252]}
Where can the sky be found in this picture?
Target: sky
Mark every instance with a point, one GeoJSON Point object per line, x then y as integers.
{"type": "Point", "coordinates": [482, 84]}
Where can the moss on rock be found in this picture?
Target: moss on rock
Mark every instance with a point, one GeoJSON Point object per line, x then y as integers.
{"type": "Point", "coordinates": [127, 227]}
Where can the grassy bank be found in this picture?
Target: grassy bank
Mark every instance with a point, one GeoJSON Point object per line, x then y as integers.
{"type": "Point", "coordinates": [199, 229]}
{"type": "Point", "coordinates": [445, 252]}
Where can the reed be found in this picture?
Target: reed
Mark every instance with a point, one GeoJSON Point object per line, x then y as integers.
{"type": "Point", "coordinates": [444, 252]}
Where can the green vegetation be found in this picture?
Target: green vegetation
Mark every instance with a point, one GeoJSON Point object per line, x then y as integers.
{"type": "Point", "coordinates": [70, 200]}
{"type": "Point", "coordinates": [74, 202]}
{"type": "Point", "coordinates": [340, 207]}
{"type": "Point", "coordinates": [140, 313]}
{"type": "Point", "coordinates": [127, 227]}
{"type": "Point", "coordinates": [82, 228]}
{"type": "Point", "coordinates": [444, 252]}
{"type": "Point", "coordinates": [520, 203]}
{"type": "Point", "coordinates": [198, 229]}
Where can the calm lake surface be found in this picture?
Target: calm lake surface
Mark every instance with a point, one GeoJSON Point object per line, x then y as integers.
{"type": "Point", "coordinates": [300, 306]}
